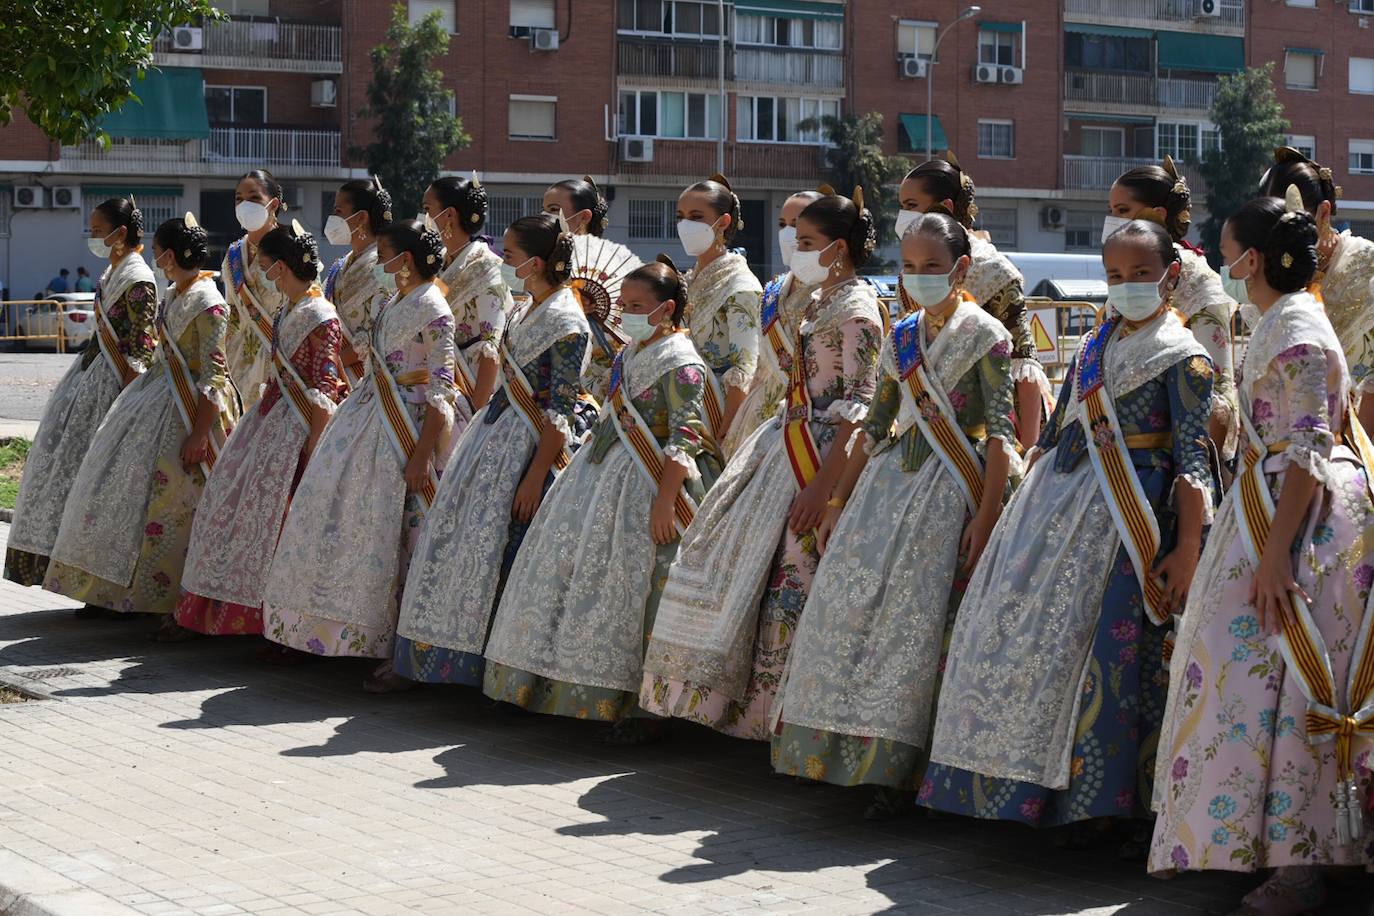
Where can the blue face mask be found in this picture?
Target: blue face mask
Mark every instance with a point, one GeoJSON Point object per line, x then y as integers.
{"type": "Point", "coordinates": [384, 280]}
{"type": "Point", "coordinates": [639, 328]}
{"type": "Point", "coordinates": [928, 290]}
{"type": "Point", "coordinates": [1134, 301]}
{"type": "Point", "coordinates": [1235, 287]}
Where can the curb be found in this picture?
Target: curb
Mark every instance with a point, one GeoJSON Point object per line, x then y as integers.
{"type": "Point", "coordinates": [7, 516]}
{"type": "Point", "coordinates": [27, 889]}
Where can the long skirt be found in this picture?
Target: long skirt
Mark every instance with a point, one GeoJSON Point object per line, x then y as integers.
{"type": "Point", "coordinates": [1240, 788]}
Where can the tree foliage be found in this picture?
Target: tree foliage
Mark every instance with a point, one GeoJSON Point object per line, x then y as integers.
{"type": "Point", "coordinates": [855, 158]}
{"type": "Point", "coordinates": [1250, 119]}
{"type": "Point", "coordinates": [68, 63]}
{"type": "Point", "coordinates": [414, 130]}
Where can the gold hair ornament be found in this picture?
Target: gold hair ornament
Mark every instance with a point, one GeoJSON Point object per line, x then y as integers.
{"type": "Point", "coordinates": [858, 197]}
{"type": "Point", "coordinates": [1292, 199]}
{"type": "Point", "coordinates": [189, 219]}
{"type": "Point", "coordinates": [826, 189]}
{"type": "Point", "coordinates": [1286, 260]}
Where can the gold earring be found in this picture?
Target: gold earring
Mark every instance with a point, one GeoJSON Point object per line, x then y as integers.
{"type": "Point", "coordinates": [118, 249]}
{"type": "Point", "coordinates": [403, 275]}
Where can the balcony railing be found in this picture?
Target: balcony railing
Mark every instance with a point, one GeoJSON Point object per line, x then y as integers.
{"type": "Point", "coordinates": [672, 60]}
{"type": "Point", "coordinates": [226, 151]}
{"type": "Point", "coordinates": [1099, 173]}
{"type": "Point", "coordinates": [748, 164]}
{"type": "Point", "coordinates": [796, 68]}
{"type": "Point", "coordinates": [1232, 16]}
{"type": "Point", "coordinates": [263, 44]}
{"type": "Point", "coordinates": [1143, 90]}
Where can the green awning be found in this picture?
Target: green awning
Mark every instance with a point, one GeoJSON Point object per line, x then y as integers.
{"type": "Point", "coordinates": [1201, 52]}
{"type": "Point", "coordinates": [1110, 31]}
{"type": "Point", "coordinates": [915, 127]}
{"type": "Point", "coordinates": [124, 190]}
{"type": "Point", "coordinates": [170, 105]}
{"type": "Point", "coordinates": [791, 9]}
{"type": "Point", "coordinates": [1108, 119]}
{"type": "Point", "coordinates": [1012, 27]}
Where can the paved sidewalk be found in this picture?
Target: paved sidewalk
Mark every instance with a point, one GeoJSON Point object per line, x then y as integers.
{"type": "Point", "coordinates": [194, 779]}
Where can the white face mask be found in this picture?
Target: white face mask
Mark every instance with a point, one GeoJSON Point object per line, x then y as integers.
{"type": "Point", "coordinates": [386, 281]}
{"type": "Point", "coordinates": [904, 220]}
{"type": "Point", "coordinates": [697, 238]}
{"type": "Point", "coordinates": [160, 279]}
{"type": "Point", "coordinates": [511, 274]}
{"type": "Point", "coordinates": [787, 243]}
{"type": "Point", "coordinates": [252, 215]}
{"type": "Point", "coordinates": [928, 290]}
{"type": "Point", "coordinates": [1134, 301]}
{"type": "Point", "coordinates": [807, 267]}
{"type": "Point", "coordinates": [639, 328]}
{"type": "Point", "coordinates": [1238, 287]}
{"type": "Point", "coordinates": [99, 248]}
{"type": "Point", "coordinates": [1110, 224]}
{"type": "Point", "coordinates": [337, 230]}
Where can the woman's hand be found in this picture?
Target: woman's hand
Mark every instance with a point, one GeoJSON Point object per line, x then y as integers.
{"type": "Point", "coordinates": [976, 535]}
{"type": "Point", "coordinates": [1272, 587]}
{"type": "Point", "coordinates": [827, 526]}
{"type": "Point", "coordinates": [662, 519]}
{"type": "Point", "coordinates": [1175, 573]}
{"type": "Point", "coordinates": [417, 470]}
{"type": "Point", "coordinates": [527, 498]}
{"type": "Point", "coordinates": [809, 506]}
{"type": "Point", "coordinates": [194, 450]}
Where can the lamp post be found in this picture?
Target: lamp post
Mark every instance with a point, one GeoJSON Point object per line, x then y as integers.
{"type": "Point", "coordinates": [930, 74]}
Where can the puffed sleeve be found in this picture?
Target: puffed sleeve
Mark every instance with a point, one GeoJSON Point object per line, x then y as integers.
{"type": "Point", "coordinates": [1303, 371]}
{"type": "Point", "coordinates": [440, 392]}
{"type": "Point", "coordinates": [133, 317]}
{"type": "Point", "coordinates": [211, 329]}
{"type": "Point", "coordinates": [742, 333]}
{"type": "Point", "coordinates": [685, 391]}
{"type": "Point", "coordinates": [565, 374]}
{"type": "Point", "coordinates": [1189, 383]}
{"type": "Point", "coordinates": [493, 308]}
{"type": "Point", "coordinates": [882, 410]}
{"type": "Point", "coordinates": [317, 361]}
{"type": "Point", "coordinates": [999, 396]}
{"type": "Point", "coordinates": [860, 342]}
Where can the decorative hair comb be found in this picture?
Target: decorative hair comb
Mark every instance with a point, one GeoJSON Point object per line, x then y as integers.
{"type": "Point", "coordinates": [718, 178]}
{"type": "Point", "coordinates": [953, 159]}
{"type": "Point", "coordinates": [858, 197]}
{"type": "Point", "coordinates": [826, 189]}
{"type": "Point", "coordinates": [189, 219]}
{"type": "Point", "coordinates": [666, 261]}
{"type": "Point", "coordinates": [476, 179]}
{"type": "Point", "coordinates": [1292, 199]}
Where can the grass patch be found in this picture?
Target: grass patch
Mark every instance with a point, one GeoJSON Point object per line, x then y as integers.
{"type": "Point", "coordinates": [12, 455]}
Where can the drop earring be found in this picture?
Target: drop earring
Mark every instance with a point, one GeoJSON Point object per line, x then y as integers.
{"type": "Point", "coordinates": [403, 275]}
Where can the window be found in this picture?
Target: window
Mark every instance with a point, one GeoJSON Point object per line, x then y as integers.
{"type": "Point", "coordinates": [156, 208]}
{"type": "Point", "coordinates": [762, 117]}
{"type": "Point", "coordinates": [824, 34]}
{"type": "Point", "coordinates": [1108, 52]}
{"type": "Point", "coordinates": [996, 140]}
{"type": "Point", "coordinates": [639, 113]}
{"type": "Point", "coordinates": [1362, 74]}
{"type": "Point", "coordinates": [653, 219]}
{"type": "Point", "coordinates": [447, 9]}
{"type": "Point", "coordinates": [502, 210]}
{"type": "Point", "coordinates": [916, 39]}
{"type": "Point", "coordinates": [532, 117]}
{"type": "Point", "coordinates": [1185, 142]}
{"type": "Point", "coordinates": [1362, 7]}
{"type": "Point", "coordinates": [526, 15]}
{"type": "Point", "coordinates": [1000, 225]}
{"type": "Point", "coordinates": [1082, 231]}
{"type": "Point", "coordinates": [236, 105]}
{"type": "Point", "coordinates": [1104, 142]}
{"type": "Point", "coordinates": [1362, 157]}
{"type": "Point", "coordinates": [1309, 4]}
{"type": "Point", "coordinates": [1304, 143]}
{"type": "Point", "coordinates": [1211, 140]}
{"type": "Point", "coordinates": [684, 18]}
{"type": "Point", "coordinates": [1300, 70]}
{"type": "Point", "coordinates": [998, 48]}
{"type": "Point", "coordinates": [674, 115]}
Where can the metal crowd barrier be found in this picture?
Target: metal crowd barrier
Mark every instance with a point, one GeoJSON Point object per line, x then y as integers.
{"type": "Point", "coordinates": [16, 312]}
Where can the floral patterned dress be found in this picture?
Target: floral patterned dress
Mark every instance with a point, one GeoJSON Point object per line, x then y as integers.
{"type": "Point", "coordinates": [467, 548]}
{"type": "Point", "coordinates": [1207, 312]}
{"type": "Point", "coordinates": [1349, 300]}
{"type": "Point", "coordinates": [1054, 686]}
{"type": "Point", "coordinates": [864, 672]}
{"type": "Point", "coordinates": [1240, 788]}
{"type": "Point", "coordinates": [249, 360]}
{"type": "Point", "coordinates": [352, 526]}
{"type": "Point", "coordinates": [722, 316]}
{"type": "Point", "coordinates": [73, 413]}
{"type": "Point", "coordinates": [569, 636]}
{"type": "Point", "coordinates": [741, 577]}
{"type": "Point", "coordinates": [245, 501]}
{"type": "Point", "coordinates": [480, 300]}
{"type": "Point", "coordinates": [124, 534]}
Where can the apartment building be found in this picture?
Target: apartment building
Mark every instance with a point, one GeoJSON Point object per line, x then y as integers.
{"type": "Point", "coordinates": [1044, 102]}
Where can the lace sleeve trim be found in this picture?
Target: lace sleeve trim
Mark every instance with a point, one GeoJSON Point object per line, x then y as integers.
{"type": "Point", "coordinates": [1314, 463]}
{"type": "Point", "coordinates": [848, 411]}
{"type": "Point", "coordinates": [560, 423]}
{"type": "Point", "coordinates": [318, 398]}
{"type": "Point", "coordinates": [678, 455]}
{"type": "Point", "coordinates": [138, 365]}
{"type": "Point", "coordinates": [1030, 370]}
{"type": "Point", "coordinates": [217, 396]}
{"type": "Point", "coordinates": [737, 377]}
{"type": "Point", "coordinates": [861, 436]}
{"type": "Point", "coordinates": [483, 349]}
{"type": "Point", "coordinates": [1007, 448]}
{"type": "Point", "coordinates": [1203, 485]}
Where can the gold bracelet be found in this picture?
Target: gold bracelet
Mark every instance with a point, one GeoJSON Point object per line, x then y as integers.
{"type": "Point", "coordinates": [835, 502]}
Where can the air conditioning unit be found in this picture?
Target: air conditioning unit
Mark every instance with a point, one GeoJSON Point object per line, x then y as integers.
{"type": "Point", "coordinates": [985, 73]}
{"type": "Point", "coordinates": [66, 196]}
{"type": "Point", "coordinates": [324, 94]}
{"type": "Point", "coordinates": [1051, 217]}
{"type": "Point", "coordinates": [29, 197]}
{"type": "Point", "coordinates": [544, 39]}
{"type": "Point", "coordinates": [912, 67]}
{"type": "Point", "coordinates": [636, 149]}
{"type": "Point", "coordinates": [1209, 9]}
{"type": "Point", "coordinates": [1010, 76]}
{"type": "Point", "coordinates": [188, 38]}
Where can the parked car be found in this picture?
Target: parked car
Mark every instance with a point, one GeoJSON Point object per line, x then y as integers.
{"type": "Point", "coordinates": [77, 312]}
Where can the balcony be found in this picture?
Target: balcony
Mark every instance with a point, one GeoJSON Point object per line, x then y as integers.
{"type": "Point", "coordinates": [227, 151]}
{"type": "Point", "coordinates": [1136, 90]}
{"type": "Point", "coordinates": [795, 68]}
{"type": "Point", "coordinates": [259, 44]}
{"type": "Point", "coordinates": [1099, 173]}
{"type": "Point", "coordinates": [748, 165]}
{"type": "Point", "coordinates": [668, 63]}
{"type": "Point", "coordinates": [1155, 13]}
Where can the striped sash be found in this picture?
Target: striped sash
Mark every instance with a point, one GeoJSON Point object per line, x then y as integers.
{"type": "Point", "coordinates": [257, 321]}
{"type": "Point", "coordinates": [400, 428]}
{"type": "Point", "coordinates": [518, 391]}
{"type": "Point", "coordinates": [714, 404]}
{"type": "Point", "coordinates": [1330, 717]}
{"type": "Point", "coordinates": [109, 340]}
{"type": "Point", "coordinates": [331, 280]}
{"type": "Point", "coordinates": [770, 315]}
{"type": "Point", "coordinates": [290, 381]}
{"type": "Point", "coordinates": [643, 445]}
{"type": "Point", "coordinates": [802, 454]}
{"type": "Point", "coordinates": [1135, 520]}
{"type": "Point", "coordinates": [464, 379]}
{"type": "Point", "coordinates": [184, 393]}
{"type": "Point", "coordinates": [934, 414]}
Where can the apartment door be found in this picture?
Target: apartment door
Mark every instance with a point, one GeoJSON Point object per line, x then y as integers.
{"type": "Point", "coordinates": [755, 235]}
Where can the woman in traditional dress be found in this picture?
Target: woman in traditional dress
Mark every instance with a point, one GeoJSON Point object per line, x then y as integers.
{"type": "Point", "coordinates": [568, 638]}
{"type": "Point", "coordinates": [124, 533]}
{"type": "Point", "coordinates": [723, 301]}
{"type": "Point", "coordinates": [782, 309]}
{"type": "Point", "coordinates": [362, 208]}
{"type": "Point", "coordinates": [501, 468]}
{"type": "Point", "coordinates": [241, 514]}
{"type": "Point", "coordinates": [741, 577]}
{"type": "Point", "coordinates": [992, 281]}
{"type": "Point", "coordinates": [1345, 269]}
{"type": "Point", "coordinates": [125, 307]}
{"type": "Point", "coordinates": [1272, 682]}
{"type": "Point", "coordinates": [253, 302]}
{"type": "Point", "coordinates": [477, 293]}
{"type": "Point", "coordinates": [860, 694]}
{"type": "Point", "coordinates": [1054, 687]}
{"type": "Point", "coordinates": [358, 510]}
{"type": "Point", "coordinates": [1157, 193]}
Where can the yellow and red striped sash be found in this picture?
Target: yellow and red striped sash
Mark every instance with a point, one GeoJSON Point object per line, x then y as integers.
{"type": "Point", "coordinates": [802, 454]}
{"type": "Point", "coordinates": [288, 379]}
{"type": "Point", "coordinates": [643, 446]}
{"type": "Point", "coordinates": [713, 403]}
{"type": "Point", "coordinates": [400, 427]}
{"type": "Point", "coordinates": [109, 340]}
{"type": "Point", "coordinates": [463, 377]}
{"type": "Point", "coordinates": [522, 398]}
{"type": "Point", "coordinates": [1330, 717]}
{"type": "Point", "coordinates": [184, 393]}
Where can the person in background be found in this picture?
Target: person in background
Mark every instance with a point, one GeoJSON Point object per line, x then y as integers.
{"type": "Point", "coordinates": [84, 283]}
{"type": "Point", "coordinates": [60, 283]}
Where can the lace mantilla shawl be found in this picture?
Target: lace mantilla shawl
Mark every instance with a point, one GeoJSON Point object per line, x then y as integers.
{"type": "Point", "coordinates": [853, 300]}
{"type": "Point", "coordinates": [402, 319]}
{"type": "Point", "coordinates": [1295, 319]}
{"type": "Point", "coordinates": [990, 271]}
{"type": "Point", "coordinates": [355, 291]}
{"type": "Point", "coordinates": [299, 320]}
{"type": "Point", "coordinates": [1346, 292]}
{"type": "Point", "coordinates": [1140, 356]}
{"type": "Point", "coordinates": [709, 290]}
{"type": "Point", "coordinates": [182, 308]}
{"type": "Point", "coordinates": [646, 365]}
{"type": "Point", "coordinates": [539, 327]}
{"type": "Point", "coordinates": [475, 269]}
{"type": "Point", "coordinates": [117, 278]}
{"type": "Point", "coordinates": [1200, 289]}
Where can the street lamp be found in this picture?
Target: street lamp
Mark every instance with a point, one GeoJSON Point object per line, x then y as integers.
{"type": "Point", "coordinates": [930, 74]}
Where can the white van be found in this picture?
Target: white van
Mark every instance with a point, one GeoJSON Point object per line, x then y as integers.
{"type": "Point", "coordinates": [1036, 267]}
